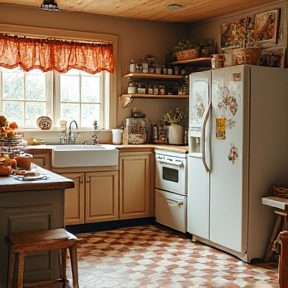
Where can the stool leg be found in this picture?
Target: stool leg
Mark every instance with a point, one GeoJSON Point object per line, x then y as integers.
{"type": "Point", "coordinates": [63, 258]}
{"type": "Point", "coordinates": [273, 237]}
{"type": "Point", "coordinates": [74, 265]}
{"type": "Point", "coordinates": [20, 270]}
{"type": "Point", "coordinates": [11, 267]}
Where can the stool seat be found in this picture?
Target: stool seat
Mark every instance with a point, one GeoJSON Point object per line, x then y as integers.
{"type": "Point", "coordinates": [24, 242]}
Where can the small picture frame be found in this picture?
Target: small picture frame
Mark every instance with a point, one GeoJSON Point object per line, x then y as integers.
{"type": "Point", "coordinates": [266, 27]}
{"type": "Point", "coordinates": [272, 58]}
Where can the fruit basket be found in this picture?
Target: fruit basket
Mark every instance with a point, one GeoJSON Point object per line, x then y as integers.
{"type": "Point", "coordinates": [280, 191]}
{"type": "Point", "coordinates": [188, 54]}
{"type": "Point", "coordinates": [246, 56]}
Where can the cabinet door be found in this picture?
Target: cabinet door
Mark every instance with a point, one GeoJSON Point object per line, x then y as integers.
{"type": "Point", "coordinates": [101, 196]}
{"type": "Point", "coordinates": [136, 180]}
{"type": "Point", "coordinates": [42, 160]}
{"type": "Point", "coordinates": [28, 211]}
{"type": "Point", "coordinates": [74, 200]}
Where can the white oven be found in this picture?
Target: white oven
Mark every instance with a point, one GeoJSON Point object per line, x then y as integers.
{"type": "Point", "coordinates": [171, 189]}
{"type": "Point", "coordinates": [171, 171]}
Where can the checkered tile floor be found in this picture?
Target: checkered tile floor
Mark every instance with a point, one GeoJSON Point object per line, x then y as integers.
{"type": "Point", "coordinates": [153, 257]}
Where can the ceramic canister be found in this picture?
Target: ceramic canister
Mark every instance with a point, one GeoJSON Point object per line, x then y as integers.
{"type": "Point", "coordinates": [24, 161]}
{"type": "Point", "coordinates": [117, 136]}
{"type": "Point", "coordinates": [175, 134]}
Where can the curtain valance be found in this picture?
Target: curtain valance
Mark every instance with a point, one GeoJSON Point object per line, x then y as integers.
{"type": "Point", "coordinates": [54, 54]}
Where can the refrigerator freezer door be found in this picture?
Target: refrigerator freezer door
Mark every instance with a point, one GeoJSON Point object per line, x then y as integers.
{"type": "Point", "coordinates": [199, 148]}
{"type": "Point", "coordinates": [198, 198]}
{"type": "Point", "coordinates": [228, 194]}
{"type": "Point", "coordinates": [199, 98]}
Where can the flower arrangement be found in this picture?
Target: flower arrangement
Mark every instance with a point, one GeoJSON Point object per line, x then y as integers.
{"type": "Point", "coordinates": [177, 116]}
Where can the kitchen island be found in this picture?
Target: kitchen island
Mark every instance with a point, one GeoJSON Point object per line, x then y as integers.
{"type": "Point", "coordinates": [32, 205]}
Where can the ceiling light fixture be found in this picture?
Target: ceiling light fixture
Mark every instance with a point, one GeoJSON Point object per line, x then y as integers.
{"type": "Point", "coordinates": [49, 5]}
{"type": "Point", "coordinates": [172, 7]}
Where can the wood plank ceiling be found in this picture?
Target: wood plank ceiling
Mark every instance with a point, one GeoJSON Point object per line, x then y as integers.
{"type": "Point", "coordinates": [154, 10]}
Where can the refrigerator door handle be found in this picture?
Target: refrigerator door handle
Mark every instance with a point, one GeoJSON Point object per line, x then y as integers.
{"type": "Point", "coordinates": [203, 136]}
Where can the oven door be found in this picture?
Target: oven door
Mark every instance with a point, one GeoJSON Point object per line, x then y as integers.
{"type": "Point", "coordinates": [171, 176]}
{"type": "Point", "coordinates": [170, 210]}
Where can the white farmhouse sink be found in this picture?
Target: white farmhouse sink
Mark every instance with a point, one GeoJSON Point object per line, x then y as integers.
{"type": "Point", "coordinates": [84, 155]}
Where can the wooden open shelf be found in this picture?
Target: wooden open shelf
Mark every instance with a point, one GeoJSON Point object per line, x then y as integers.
{"type": "Point", "coordinates": [126, 99]}
{"type": "Point", "coordinates": [153, 76]}
{"type": "Point", "coordinates": [196, 61]}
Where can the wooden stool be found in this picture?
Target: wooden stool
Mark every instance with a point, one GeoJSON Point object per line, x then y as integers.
{"type": "Point", "coordinates": [281, 205]}
{"type": "Point", "coordinates": [24, 242]}
{"type": "Point", "coordinates": [281, 225]}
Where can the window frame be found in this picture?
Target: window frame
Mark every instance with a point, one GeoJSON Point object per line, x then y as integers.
{"type": "Point", "coordinates": [111, 107]}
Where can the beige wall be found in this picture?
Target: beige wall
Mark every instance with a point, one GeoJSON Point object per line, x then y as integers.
{"type": "Point", "coordinates": [211, 28]}
{"type": "Point", "coordinates": [136, 38]}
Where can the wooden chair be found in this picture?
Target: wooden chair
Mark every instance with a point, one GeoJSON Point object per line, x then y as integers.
{"type": "Point", "coordinates": [24, 242]}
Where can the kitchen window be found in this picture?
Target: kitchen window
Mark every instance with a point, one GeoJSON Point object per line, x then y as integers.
{"type": "Point", "coordinates": [74, 95]}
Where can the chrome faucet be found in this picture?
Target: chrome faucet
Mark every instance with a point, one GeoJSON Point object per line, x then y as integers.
{"type": "Point", "coordinates": [71, 138]}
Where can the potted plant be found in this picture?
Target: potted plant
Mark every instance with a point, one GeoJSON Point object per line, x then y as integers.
{"type": "Point", "coordinates": [186, 49]}
{"type": "Point", "coordinates": [208, 47]}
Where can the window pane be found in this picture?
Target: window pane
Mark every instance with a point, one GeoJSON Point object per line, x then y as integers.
{"type": "Point", "coordinates": [13, 84]}
{"type": "Point", "coordinates": [69, 88]}
{"type": "Point", "coordinates": [70, 112]}
{"type": "Point", "coordinates": [14, 111]}
{"type": "Point", "coordinates": [33, 111]}
{"type": "Point", "coordinates": [90, 113]}
{"type": "Point", "coordinates": [35, 85]}
{"type": "Point", "coordinates": [90, 89]}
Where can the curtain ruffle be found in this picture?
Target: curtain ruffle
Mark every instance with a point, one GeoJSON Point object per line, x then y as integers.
{"type": "Point", "coordinates": [51, 54]}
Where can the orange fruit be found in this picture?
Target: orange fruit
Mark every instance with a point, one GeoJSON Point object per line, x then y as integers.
{"type": "Point", "coordinates": [13, 125]}
{"type": "Point", "coordinates": [10, 132]}
{"type": "Point", "coordinates": [3, 121]}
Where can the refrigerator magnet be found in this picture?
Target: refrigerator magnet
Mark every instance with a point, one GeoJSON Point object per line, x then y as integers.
{"type": "Point", "coordinates": [233, 154]}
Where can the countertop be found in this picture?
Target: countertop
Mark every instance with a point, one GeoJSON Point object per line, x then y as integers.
{"type": "Point", "coordinates": [51, 181]}
{"type": "Point", "coordinates": [174, 148]}
{"type": "Point", "coordinates": [276, 202]}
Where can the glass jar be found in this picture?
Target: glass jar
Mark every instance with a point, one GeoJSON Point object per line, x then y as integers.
{"type": "Point", "coordinates": [217, 61]}
{"type": "Point", "coordinates": [161, 90]}
{"type": "Point", "coordinates": [131, 88]}
{"type": "Point", "coordinates": [150, 89]}
{"type": "Point", "coordinates": [156, 89]}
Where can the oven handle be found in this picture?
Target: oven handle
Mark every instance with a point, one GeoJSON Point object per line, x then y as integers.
{"type": "Point", "coordinates": [179, 203]}
{"type": "Point", "coordinates": [180, 164]}
{"type": "Point", "coordinates": [206, 116]}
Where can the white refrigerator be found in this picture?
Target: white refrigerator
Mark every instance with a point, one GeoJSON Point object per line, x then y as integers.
{"type": "Point", "coordinates": [238, 148]}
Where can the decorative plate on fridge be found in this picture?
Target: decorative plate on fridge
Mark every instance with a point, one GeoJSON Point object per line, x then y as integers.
{"type": "Point", "coordinates": [44, 123]}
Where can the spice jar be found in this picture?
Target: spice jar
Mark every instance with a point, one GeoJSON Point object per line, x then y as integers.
{"type": "Point", "coordinates": [217, 61]}
{"type": "Point", "coordinates": [131, 88]}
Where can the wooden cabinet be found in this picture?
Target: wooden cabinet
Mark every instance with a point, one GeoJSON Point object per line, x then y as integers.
{"type": "Point", "coordinates": [74, 200]}
{"type": "Point", "coordinates": [42, 159]}
{"type": "Point", "coordinates": [31, 210]}
{"type": "Point", "coordinates": [93, 199]}
{"type": "Point", "coordinates": [106, 194]}
{"type": "Point", "coordinates": [101, 196]}
{"type": "Point", "coordinates": [136, 184]}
